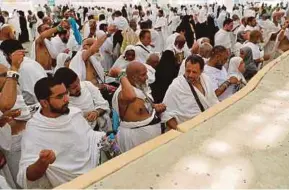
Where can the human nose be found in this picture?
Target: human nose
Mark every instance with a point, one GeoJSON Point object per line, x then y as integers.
{"type": "Point", "coordinates": [66, 98]}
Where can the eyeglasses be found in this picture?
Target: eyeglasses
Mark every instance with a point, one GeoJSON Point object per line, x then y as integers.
{"type": "Point", "coordinates": [60, 96]}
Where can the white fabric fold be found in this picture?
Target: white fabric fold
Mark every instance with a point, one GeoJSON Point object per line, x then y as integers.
{"type": "Point", "coordinates": [90, 100]}
{"type": "Point", "coordinates": [129, 137]}
{"type": "Point", "coordinates": [181, 103]}
{"type": "Point", "coordinates": [76, 153]}
{"type": "Point", "coordinates": [79, 67]}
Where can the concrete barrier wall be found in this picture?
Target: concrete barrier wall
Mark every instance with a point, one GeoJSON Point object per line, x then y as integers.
{"type": "Point", "coordinates": [117, 163]}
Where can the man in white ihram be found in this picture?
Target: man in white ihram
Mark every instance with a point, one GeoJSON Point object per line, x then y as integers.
{"type": "Point", "coordinates": [179, 99]}
{"type": "Point", "coordinates": [58, 144]}
{"type": "Point", "coordinates": [139, 121]}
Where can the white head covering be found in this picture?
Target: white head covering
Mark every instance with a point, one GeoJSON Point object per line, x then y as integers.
{"type": "Point", "coordinates": [121, 62]}
{"type": "Point", "coordinates": [61, 59]}
{"type": "Point", "coordinates": [233, 70]}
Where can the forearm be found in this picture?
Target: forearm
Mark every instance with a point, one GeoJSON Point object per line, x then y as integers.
{"type": "Point", "coordinates": [94, 48]}
{"type": "Point", "coordinates": [222, 89]}
{"type": "Point", "coordinates": [8, 95]}
{"type": "Point", "coordinates": [36, 171]}
{"type": "Point", "coordinates": [46, 34]}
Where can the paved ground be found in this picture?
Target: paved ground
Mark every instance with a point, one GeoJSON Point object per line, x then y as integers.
{"type": "Point", "coordinates": [245, 146]}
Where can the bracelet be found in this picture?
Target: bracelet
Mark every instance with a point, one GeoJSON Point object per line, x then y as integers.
{"type": "Point", "coordinates": [227, 84]}
{"type": "Point", "coordinates": [122, 74]}
{"type": "Point", "coordinates": [13, 75]}
{"type": "Point", "coordinates": [59, 28]}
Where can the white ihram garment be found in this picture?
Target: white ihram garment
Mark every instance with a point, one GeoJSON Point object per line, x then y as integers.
{"type": "Point", "coordinates": [74, 143]}
{"type": "Point", "coordinates": [129, 136]}
{"type": "Point", "coordinates": [181, 103]}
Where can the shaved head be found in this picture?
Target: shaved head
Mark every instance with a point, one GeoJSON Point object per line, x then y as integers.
{"type": "Point", "coordinates": [153, 60]}
{"type": "Point", "coordinates": [180, 38]}
{"type": "Point", "coordinates": [6, 33]}
{"type": "Point", "coordinates": [134, 68]}
{"type": "Point", "coordinates": [180, 41]}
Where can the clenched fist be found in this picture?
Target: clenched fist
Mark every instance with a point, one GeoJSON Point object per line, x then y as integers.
{"type": "Point", "coordinates": [47, 157]}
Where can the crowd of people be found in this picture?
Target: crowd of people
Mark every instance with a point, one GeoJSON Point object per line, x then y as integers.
{"type": "Point", "coordinates": [96, 82]}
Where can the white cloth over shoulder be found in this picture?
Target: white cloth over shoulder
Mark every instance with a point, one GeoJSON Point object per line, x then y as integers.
{"type": "Point", "coordinates": [224, 38]}
{"type": "Point", "coordinates": [50, 47]}
{"type": "Point", "coordinates": [58, 45]}
{"type": "Point", "coordinates": [30, 72]}
{"type": "Point", "coordinates": [129, 136]}
{"type": "Point", "coordinates": [90, 100]}
{"type": "Point", "coordinates": [60, 61]}
{"type": "Point", "coordinates": [218, 77]}
{"type": "Point", "coordinates": [76, 153]}
{"type": "Point", "coordinates": [181, 103]}
{"type": "Point", "coordinates": [142, 52]}
{"type": "Point", "coordinates": [79, 67]}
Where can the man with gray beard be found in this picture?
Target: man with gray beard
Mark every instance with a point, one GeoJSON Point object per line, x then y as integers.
{"type": "Point", "coordinates": [139, 116]}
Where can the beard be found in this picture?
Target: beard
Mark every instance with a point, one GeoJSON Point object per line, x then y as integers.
{"type": "Point", "coordinates": [64, 40]}
{"type": "Point", "coordinates": [144, 87]}
{"type": "Point", "coordinates": [64, 110]}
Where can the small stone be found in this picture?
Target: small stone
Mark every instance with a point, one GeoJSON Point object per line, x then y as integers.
{"type": "Point", "coordinates": [151, 188]}
{"type": "Point", "coordinates": [208, 174]}
{"type": "Point", "coordinates": [176, 183]}
{"type": "Point", "coordinates": [187, 168]}
{"type": "Point", "coordinates": [286, 154]}
{"type": "Point", "coordinates": [158, 175]}
{"type": "Point", "coordinates": [244, 181]}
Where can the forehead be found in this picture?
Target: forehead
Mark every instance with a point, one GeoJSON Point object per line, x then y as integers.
{"type": "Point", "coordinates": [58, 89]}
{"type": "Point", "coordinates": [193, 66]}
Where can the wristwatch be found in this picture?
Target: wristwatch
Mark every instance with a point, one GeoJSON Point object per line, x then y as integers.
{"type": "Point", "coordinates": [13, 75]}
{"type": "Point", "coordinates": [121, 74]}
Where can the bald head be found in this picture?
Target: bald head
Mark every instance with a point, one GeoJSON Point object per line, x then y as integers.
{"type": "Point", "coordinates": [6, 33]}
{"type": "Point", "coordinates": [134, 68]}
{"type": "Point", "coordinates": [153, 60]}
{"type": "Point", "coordinates": [205, 50]}
{"type": "Point", "coordinates": [180, 41]}
{"type": "Point", "coordinates": [137, 74]}
{"type": "Point", "coordinates": [180, 38]}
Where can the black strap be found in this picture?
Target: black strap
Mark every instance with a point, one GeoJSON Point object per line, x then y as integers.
{"type": "Point", "coordinates": [143, 48]}
{"type": "Point", "coordinates": [196, 97]}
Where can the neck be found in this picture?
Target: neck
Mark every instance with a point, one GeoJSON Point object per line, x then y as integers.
{"type": "Point", "coordinates": [211, 63]}
{"type": "Point", "coordinates": [49, 114]}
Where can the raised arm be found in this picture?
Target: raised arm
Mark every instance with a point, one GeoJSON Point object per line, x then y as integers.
{"type": "Point", "coordinates": [64, 25]}
{"type": "Point", "coordinates": [9, 91]}
{"type": "Point", "coordinates": [127, 93]}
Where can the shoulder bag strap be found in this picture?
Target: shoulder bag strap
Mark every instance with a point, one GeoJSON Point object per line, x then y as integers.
{"type": "Point", "coordinates": [196, 97]}
{"type": "Point", "coordinates": [143, 48]}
